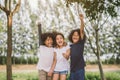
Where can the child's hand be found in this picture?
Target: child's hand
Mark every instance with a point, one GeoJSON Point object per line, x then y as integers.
{"type": "Point", "coordinates": [81, 16]}
{"type": "Point", "coordinates": [50, 73]}
{"type": "Point", "coordinates": [64, 55]}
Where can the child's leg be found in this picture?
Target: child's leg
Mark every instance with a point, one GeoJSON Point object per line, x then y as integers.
{"type": "Point", "coordinates": [49, 77]}
{"type": "Point", "coordinates": [42, 75]}
{"type": "Point", "coordinates": [81, 74]}
{"type": "Point", "coordinates": [55, 76]}
{"type": "Point", "coordinates": [72, 75]}
{"type": "Point", "coordinates": [78, 75]}
{"type": "Point", "coordinates": [63, 77]}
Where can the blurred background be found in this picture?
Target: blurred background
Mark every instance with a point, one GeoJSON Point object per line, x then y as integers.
{"type": "Point", "coordinates": [102, 28]}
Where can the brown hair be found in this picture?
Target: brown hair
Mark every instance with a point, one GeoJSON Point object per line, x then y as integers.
{"type": "Point", "coordinates": [55, 35]}
{"type": "Point", "coordinates": [71, 34]}
{"type": "Point", "coordinates": [44, 36]}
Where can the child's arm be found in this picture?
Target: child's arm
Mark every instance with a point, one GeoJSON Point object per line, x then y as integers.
{"type": "Point", "coordinates": [82, 26]}
{"type": "Point", "coordinates": [40, 33]}
{"type": "Point", "coordinates": [67, 54]}
{"type": "Point", "coordinates": [53, 65]}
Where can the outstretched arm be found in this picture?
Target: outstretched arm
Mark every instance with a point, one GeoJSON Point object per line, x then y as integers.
{"type": "Point", "coordinates": [82, 26]}
{"type": "Point", "coordinates": [40, 33]}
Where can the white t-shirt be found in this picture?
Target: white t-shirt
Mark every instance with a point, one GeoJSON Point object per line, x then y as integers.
{"type": "Point", "coordinates": [62, 63]}
{"type": "Point", "coordinates": [45, 55]}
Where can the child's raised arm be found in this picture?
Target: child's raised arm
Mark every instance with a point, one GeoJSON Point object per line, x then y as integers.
{"type": "Point", "coordinates": [82, 26]}
{"type": "Point", "coordinates": [40, 34]}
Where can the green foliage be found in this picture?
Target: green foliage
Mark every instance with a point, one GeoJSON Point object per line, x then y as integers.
{"type": "Point", "coordinates": [3, 76]}
{"type": "Point", "coordinates": [33, 17]}
{"type": "Point", "coordinates": [95, 7]}
{"type": "Point", "coordinates": [2, 60]}
{"type": "Point", "coordinates": [113, 76]}
{"type": "Point", "coordinates": [112, 60]}
{"type": "Point", "coordinates": [19, 60]}
{"type": "Point", "coordinates": [118, 59]}
{"type": "Point", "coordinates": [91, 62]}
{"type": "Point", "coordinates": [14, 2]}
{"type": "Point", "coordinates": [92, 76]}
{"type": "Point", "coordinates": [108, 75]}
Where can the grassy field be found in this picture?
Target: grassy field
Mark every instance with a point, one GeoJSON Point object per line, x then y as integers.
{"type": "Point", "coordinates": [21, 76]}
{"type": "Point", "coordinates": [34, 75]}
{"type": "Point", "coordinates": [29, 72]}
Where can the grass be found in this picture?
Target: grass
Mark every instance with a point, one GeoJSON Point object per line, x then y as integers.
{"type": "Point", "coordinates": [34, 75]}
{"type": "Point", "coordinates": [108, 75]}
{"type": "Point", "coordinates": [21, 76]}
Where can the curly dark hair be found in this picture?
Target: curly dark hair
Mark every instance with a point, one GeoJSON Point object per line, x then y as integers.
{"type": "Point", "coordinates": [72, 32]}
{"type": "Point", "coordinates": [44, 36]}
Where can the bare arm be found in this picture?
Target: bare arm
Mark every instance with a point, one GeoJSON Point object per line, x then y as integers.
{"type": "Point", "coordinates": [40, 33]}
{"type": "Point", "coordinates": [53, 65]}
{"type": "Point", "coordinates": [82, 26]}
{"type": "Point", "coordinates": [67, 54]}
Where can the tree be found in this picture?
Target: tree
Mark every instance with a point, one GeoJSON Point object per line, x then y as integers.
{"type": "Point", "coordinates": [7, 8]}
{"type": "Point", "coordinates": [116, 46]}
{"type": "Point", "coordinates": [96, 12]}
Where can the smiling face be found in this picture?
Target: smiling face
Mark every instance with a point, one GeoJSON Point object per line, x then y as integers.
{"type": "Point", "coordinates": [48, 42]}
{"type": "Point", "coordinates": [60, 40]}
{"type": "Point", "coordinates": [75, 37]}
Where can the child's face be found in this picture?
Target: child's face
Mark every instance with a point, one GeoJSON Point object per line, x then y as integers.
{"type": "Point", "coordinates": [75, 37]}
{"type": "Point", "coordinates": [59, 40]}
{"type": "Point", "coordinates": [49, 42]}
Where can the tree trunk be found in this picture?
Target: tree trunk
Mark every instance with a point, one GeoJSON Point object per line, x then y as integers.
{"type": "Point", "coordinates": [98, 56]}
{"type": "Point", "coordinates": [9, 46]}
{"type": "Point", "coordinates": [100, 68]}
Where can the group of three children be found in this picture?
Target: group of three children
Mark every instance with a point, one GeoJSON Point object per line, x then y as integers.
{"type": "Point", "coordinates": [53, 55]}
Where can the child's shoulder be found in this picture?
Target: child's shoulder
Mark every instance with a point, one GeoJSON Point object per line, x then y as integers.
{"type": "Point", "coordinates": [41, 46]}
{"type": "Point", "coordinates": [45, 47]}
{"type": "Point", "coordinates": [67, 46]}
